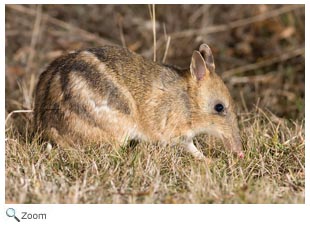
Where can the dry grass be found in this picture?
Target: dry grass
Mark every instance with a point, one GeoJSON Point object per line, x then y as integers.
{"type": "Point", "coordinates": [260, 52]}
{"type": "Point", "coordinates": [272, 171]}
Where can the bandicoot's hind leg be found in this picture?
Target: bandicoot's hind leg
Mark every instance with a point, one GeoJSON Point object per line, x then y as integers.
{"type": "Point", "coordinates": [55, 138]}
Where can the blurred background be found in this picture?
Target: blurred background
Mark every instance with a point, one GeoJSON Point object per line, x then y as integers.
{"type": "Point", "coordinates": [258, 49]}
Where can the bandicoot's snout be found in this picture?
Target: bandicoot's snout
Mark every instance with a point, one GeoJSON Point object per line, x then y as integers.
{"type": "Point", "coordinates": [232, 140]}
{"type": "Point", "coordinates": [234, 144]}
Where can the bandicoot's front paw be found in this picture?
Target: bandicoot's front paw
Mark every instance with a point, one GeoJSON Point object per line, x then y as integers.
{"type": "Point", "coordinates": [191, 148]}
{"type": "Point", "coordinates": [199, 156]}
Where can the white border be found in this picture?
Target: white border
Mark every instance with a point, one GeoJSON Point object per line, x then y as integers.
{"type": "Point", "coordinates": [307, 172]}
{"type": "Point", "coordinates": [155, 215]}
{"type": "Point", "coordinates": [152, 2]}
{"type": "Point", "coordinates": [164, 215]}
{"type": "Point", "coordinates": [2, 112]}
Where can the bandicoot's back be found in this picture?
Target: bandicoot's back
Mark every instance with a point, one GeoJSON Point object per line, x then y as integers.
{"type": "Point", "coordinates": [111, 94]}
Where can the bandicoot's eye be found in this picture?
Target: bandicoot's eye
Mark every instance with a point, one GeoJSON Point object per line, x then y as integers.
{"type": "Point", "coordinates": [219, 108]}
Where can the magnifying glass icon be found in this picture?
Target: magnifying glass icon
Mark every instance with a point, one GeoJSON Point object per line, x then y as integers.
{"type": "Point", "coordinates": [10, 212]}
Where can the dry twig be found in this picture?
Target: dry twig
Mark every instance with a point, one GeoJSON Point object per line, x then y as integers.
{"type": "Point", "coordinates": [17, 111]}
{"type": "Point", "coordinates": [29, 88]}
{"type": "Point", "coordinates": [264, 78]}
{"type": "Point", "coordinates": [237, 23]}
{"type": "Point", "coordinates": [78, 31]}
{"type": "Point", "coordinates": [152, 13]}
{"type": "Point", "coordinates": [167, 44]}
{"type": "Point", "coordinates": [282, 57]}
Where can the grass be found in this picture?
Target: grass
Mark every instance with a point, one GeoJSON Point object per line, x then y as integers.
{"type": "Point", "coordinates": [271, 172]}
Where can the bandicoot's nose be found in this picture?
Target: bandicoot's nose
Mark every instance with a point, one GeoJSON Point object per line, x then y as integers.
{"type": "Point", "coordinates": [241, 155]}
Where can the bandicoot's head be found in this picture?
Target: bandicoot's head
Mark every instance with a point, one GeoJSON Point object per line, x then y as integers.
{"type": "Point", "coordinates": [216, 111]}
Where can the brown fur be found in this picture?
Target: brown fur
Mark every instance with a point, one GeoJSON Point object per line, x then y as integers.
{"type": "Point", "coordinates": [111, 94]}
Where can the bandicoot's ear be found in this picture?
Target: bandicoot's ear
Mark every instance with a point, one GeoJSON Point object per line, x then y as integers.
{"type": "Point", "coordinates": [207, 55]}
{"type": "Point", "coordinates": [198, 66]}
